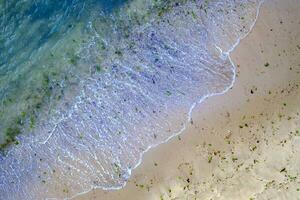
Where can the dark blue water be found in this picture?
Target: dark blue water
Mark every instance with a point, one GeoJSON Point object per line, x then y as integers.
{"type": "Point", "coordinates": [52, 16]}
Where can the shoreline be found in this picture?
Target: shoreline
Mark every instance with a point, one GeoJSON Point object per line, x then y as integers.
{"type": "Point", "coordinates": [196, 106]}
{"type": "Point", "coordinates": [191, 110]}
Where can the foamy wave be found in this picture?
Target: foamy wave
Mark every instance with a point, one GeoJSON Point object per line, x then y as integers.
{"type": "Point", "coordinates": [141, 91]}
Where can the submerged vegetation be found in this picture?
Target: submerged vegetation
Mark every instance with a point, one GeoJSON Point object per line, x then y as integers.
{"type": "Point", "coordinates": [34, 93]}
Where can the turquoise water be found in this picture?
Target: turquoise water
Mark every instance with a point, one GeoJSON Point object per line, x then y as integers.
{"type": "Point", "coordinates": [40, 41]}
{"type": "Point", "coordinates": [88, 86]}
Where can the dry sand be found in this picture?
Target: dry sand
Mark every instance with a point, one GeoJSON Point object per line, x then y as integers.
{"type": "Point", "coordinates": [241, 145]}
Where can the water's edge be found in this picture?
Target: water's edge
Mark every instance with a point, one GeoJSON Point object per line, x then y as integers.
{"type": "Point", "coordinates": [193, 106]}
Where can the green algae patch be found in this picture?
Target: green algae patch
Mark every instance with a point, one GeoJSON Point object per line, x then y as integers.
{"type": "Point", "coordinates": [38, 85]}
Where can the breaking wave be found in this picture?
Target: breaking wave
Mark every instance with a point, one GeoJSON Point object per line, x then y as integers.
{"type": "Point", "coordinates": [124, 78]}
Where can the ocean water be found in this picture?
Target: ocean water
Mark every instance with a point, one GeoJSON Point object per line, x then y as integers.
{"type": "Point", "coordinates": [87, 87]}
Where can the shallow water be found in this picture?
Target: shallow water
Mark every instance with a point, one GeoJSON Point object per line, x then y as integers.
{"type": "Point", "coordinates": [40, 43]}
{"type": "Point", "coordinates": [93, 86]}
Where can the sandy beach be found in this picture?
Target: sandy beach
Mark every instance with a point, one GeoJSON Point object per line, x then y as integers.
{"type": "Point", "coordinates": [244, 144]}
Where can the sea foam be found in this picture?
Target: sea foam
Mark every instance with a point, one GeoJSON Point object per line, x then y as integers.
{"type": "Point", "coordinates": [146, 74]}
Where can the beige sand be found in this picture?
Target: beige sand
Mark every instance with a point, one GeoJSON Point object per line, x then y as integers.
{"type": "Point", "coordinates": [241, 145]}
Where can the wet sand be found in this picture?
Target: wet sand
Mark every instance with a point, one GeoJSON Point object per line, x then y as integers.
{"type": "Point", "coordinates": [244, 144]}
